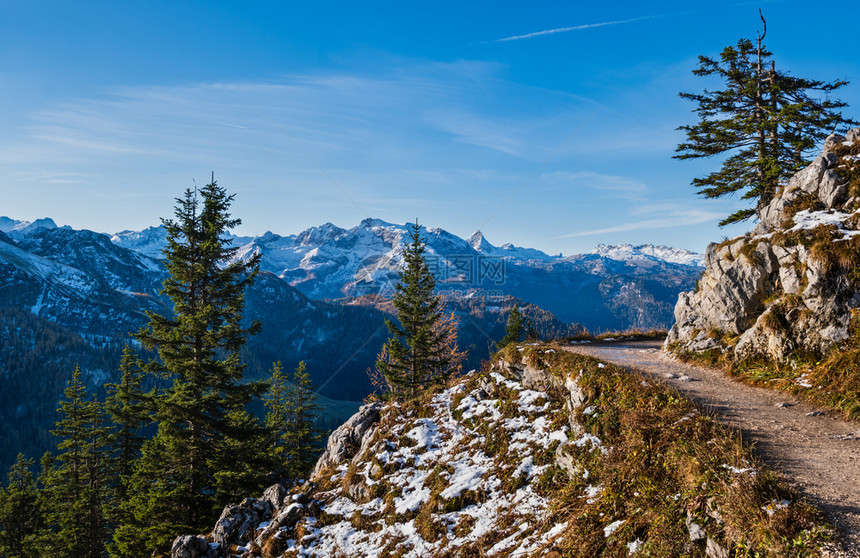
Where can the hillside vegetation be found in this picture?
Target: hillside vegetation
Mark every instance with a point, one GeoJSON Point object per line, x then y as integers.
{"type": "Point", "coordinates": [544, 453]}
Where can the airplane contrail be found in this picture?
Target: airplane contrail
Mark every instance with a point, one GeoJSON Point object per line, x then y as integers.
{"type": "Point", "coordinates": [578, 27]}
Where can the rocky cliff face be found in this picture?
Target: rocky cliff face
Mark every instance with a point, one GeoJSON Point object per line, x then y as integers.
{"type": "Point", "coordinates": [791, 284]}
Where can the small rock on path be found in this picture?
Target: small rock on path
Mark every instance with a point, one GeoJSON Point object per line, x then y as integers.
{"type": "Point", "coordinates": [819, 453]}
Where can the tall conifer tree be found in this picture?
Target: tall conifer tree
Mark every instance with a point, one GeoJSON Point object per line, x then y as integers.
{"type": "Point", "coordinates": [302, 437]}
{"type": "Point", "coordinates": [291, 419]}
{"type": "Point", "coordinates": [126, 405]}
{"type": "Point", "coordinates": [197, 461]}
{"type": "Point", "coordinates": [765, 120]}
{"type": "Point", "coordinates": [515, 328]}
{"type": "Point", "coordinates": [277, 416]}
{"type": "Point", "coordinates": [74, 492]}
{"type": "Point", "coordinates": [417, 353]}
{"type": "Point", "coordinates": [20, 517]}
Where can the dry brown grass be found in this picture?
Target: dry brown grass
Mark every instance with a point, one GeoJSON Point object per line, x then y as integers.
{"type": "Point", "coordinates": [665, 459]}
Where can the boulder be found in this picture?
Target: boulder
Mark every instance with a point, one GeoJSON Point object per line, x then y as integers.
{"type": "Point", "coordinates": [696, 531]}
{"type": "Point", "coordinates": [275, 495]}
{"type": "Point", "coordinates": [286, 519]}
{"type": "Point", "coordinates": [539, 379]}
{"type": "Point", "coordinates": [713, 549]}
{"type": "Point", "coordinates": [238, 522]}
{"type": "Point", "coordinates": [345, 442]}
{"type": "Point", "coordinates": [191, 546]}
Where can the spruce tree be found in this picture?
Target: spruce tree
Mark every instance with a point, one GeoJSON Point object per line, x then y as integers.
{"type": "Point", "coordinates": [126, 404]}
{"type": "Point", "coordinates": [417, 353]}
{"type": "Point", "coordinates": [515, 329]}
{"type": "Point", "coordinates": [199, 459]}
{"type": "Point", "coordinates": [149, 519]}
{"type": "Point", "coordinates": [302, 437]}
{"type": "Point", "coordinates": [291, 420]}
{"type": "Point", "coordinates": [20, 517]}
{"type": "Point", "coordinates": [766, 122]}
{"type": "Point", "coordinates": [277, 414]}
{"type": "Point", "coordinates": [74, 493]}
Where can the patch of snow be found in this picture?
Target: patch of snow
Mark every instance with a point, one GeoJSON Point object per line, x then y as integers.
{"type": "Point", "coordinates": [774, 506]}
{"type": "Point", "coordinates": [587, 439]}
{"type": "Point", "coordinates": [592, 492]}
{"type": "Point", "coordinates": [612, 527]}
{"type": "Point", "coordinates": [426, 434]}
{"type": "Point", "coordinates": [633, 547]}
{"type": "Point", "coordinates": [803, 381]}
{"type": "Point", "coordinates": [467, 476]}
{"type": "Point", "coordinates": [740, 470]}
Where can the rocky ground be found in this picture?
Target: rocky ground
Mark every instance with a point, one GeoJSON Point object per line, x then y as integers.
{"type": "Point", "coordinates": [817, 451]}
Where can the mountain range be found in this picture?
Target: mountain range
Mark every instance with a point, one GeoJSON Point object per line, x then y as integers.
{"type": "Point", "coordinates": [73, 297]}
{"type": "Point", "coordinates": [612, 287]}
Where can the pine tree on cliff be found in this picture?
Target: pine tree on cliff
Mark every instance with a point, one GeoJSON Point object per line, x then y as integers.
{"type": "Point", "coordinates": [765, 120]}
{"type": "Point", "coordinates": [515, 329]}
{"type": "Point", "coordinates": [75, 495]}
{"type": "Point", "coordinates": [418, 352]}
{"type": "Point", "coordinates": [20, 517]}
{"type": "Point", "coordinates": [197, 460]}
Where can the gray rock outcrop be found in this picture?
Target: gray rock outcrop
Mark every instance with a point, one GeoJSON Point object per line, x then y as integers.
{"type": "Point", "coordinates": [348, 439]}
{"type": "Point", "coordinates": [238, 522]}
{"type": "Point", "coordinates": [785, 286]}
{"type": "Point", "coordinates": [191, 546]}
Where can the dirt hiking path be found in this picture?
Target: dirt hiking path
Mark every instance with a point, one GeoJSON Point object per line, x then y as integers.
{"type": "Point", "coordinates": [819, 453]}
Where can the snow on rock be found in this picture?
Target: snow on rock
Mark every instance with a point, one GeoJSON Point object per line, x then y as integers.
{"type": "Point", "coordinates": [612, 527]}
{"type": "Point", "coordinates": [464, 470]}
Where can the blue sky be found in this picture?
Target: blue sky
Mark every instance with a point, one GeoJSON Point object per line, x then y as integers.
{"type": "Point", "coordinates": [547, 124]}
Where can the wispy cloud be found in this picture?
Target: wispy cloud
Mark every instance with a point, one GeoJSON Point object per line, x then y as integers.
{"type": "Point", "coordinates": [677, 218]}
{"type": "Point", "coordinates": [579, 27]}
{"type": "Point", "coordinates": [608, 185]}
{"type": "Point", "coordinates": [479, 131]}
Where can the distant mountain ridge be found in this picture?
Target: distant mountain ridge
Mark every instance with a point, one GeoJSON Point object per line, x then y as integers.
{"type": "Point", "coordinates": [649, 251]}
{"type": "Point", "coordinates": [151, 240]}
{"type": "Point", "coordinates": [612, 287]}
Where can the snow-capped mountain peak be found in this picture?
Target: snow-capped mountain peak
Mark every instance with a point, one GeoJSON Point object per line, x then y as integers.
{"type": "Point", "coordinates": [628, 252]}
{"type": "Point", "coordinates": [149, 242]}
{"type": "Point", "coordinates": [479, 243]}
{"type": "Point", "coordinates": [318, 235]}
{"type": "Point", "coordinates": [14, 227]}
